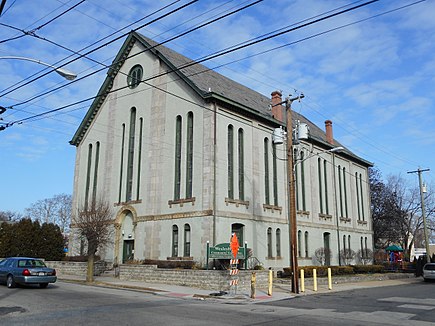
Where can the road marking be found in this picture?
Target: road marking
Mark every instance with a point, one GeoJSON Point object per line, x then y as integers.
{"type": "Point", "coordinates": [415, 306]}
{"type": "Point", "coordinates": [416, 301]}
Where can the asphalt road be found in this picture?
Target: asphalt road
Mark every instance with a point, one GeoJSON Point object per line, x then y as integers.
{"type": "Point", "coordinates": [76, 304]}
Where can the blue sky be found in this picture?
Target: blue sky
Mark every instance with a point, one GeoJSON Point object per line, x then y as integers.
{"type": "Point", "coordinates": [374, 79]}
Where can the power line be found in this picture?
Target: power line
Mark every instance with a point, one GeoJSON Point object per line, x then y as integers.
{"type": "Point", "coordinates": [209, 57]}
{"type": "Point", "coordinates": [101, 46]}
{"type": "Point", "coordinates": [136, 54]}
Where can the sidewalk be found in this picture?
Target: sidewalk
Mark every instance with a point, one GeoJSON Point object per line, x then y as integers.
{"type": "Point", "coordinates": [281, 287]}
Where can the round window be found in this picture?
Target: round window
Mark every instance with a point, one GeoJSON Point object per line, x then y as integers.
{"type": "Point", "coordinates": [134, 76]}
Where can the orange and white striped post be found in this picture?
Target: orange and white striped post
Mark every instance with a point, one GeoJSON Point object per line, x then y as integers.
{"type": "Point", "coordinates": [234, 245]}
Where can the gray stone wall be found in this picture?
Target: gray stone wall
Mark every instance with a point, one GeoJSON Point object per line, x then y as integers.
{"type": "Point", "coordinates": [216, 280]}
{"type": "Point", "coordinates": [76, 268]}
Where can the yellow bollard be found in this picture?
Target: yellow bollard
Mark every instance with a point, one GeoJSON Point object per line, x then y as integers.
{"type": "Point", "coordinates": [329, 279]}
{"type": "Point", "coordinates": [302, 280]}
{"type": "Point", "coordinates": [270, 281]}
{"type": "Point", "coordinates": [253, 281]}
{"type": "Point", "coordinates": [315, 279]}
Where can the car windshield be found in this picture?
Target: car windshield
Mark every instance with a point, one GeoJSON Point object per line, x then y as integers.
{"type": "Point", "coordinates": [430, 267]}
{"type": "Point", "coordinates": [27, 263]}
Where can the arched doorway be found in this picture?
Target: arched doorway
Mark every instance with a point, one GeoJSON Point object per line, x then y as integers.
{"type": "Point", "coordinates": [127, 236]}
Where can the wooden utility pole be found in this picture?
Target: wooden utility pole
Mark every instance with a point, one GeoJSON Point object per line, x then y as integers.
{"type": "Point", "coordinates": [292, 196]}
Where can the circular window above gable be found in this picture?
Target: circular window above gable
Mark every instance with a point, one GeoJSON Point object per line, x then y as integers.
{"type": "Point", "coordinates": [135, 76]}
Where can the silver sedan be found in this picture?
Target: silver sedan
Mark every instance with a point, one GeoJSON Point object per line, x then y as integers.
{"type": "Point", "coordinates": [25, 270]}
{"type": "Point", "coordinates": [429, 271]}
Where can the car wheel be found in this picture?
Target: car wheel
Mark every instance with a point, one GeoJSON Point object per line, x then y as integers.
{"type": "Point", "coordinates": [10, 283]}
{"type": "Point", "coordinates": [43, 285]}
{"type": "Point", "coordinates": [425, 279]}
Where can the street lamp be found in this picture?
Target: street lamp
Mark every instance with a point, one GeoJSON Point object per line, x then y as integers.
{"type": "Point", "coordinates": [63, 72]}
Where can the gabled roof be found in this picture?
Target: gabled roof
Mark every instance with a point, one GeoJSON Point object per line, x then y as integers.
{"type": "Point", "coordinates": [208, 84]}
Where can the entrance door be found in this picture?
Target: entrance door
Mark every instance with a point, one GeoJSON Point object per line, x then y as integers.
{"type": "Point", "coordinates": [128, 251]}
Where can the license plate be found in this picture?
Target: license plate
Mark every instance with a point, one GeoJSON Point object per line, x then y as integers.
{"type": "Point", "coordinates": [41, 274]}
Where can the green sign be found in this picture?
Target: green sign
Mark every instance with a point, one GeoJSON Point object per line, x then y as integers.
{"type": "Point", "coordinates": [223, 251]}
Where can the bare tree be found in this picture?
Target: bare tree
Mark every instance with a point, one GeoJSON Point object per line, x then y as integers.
{"type": "Point", "coordinates": [348, 255]}
{"type": "Point", "coordinates": [56, 209]}
{"type": "Point", "coordinates": [10, 216]}
{"type": "Point", "coordinates": [365, 256]}
{"type": "Point", "coordinates": [396, 211]}
{"type": "Point", "coordinates": [323, 255]}
{"type": "Point", "coordinates": [94, 222]}
{"type": "Point", "coordinates": [43, 210]}
{"type": "Point", "coordinates": [63, 211]}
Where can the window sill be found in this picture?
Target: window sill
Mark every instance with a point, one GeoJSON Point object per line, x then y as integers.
{"type": "Point", "coordinates": [345, 219]}
{"type": "Point", "coordinates": [304, 213]}
{"type": "Point", "coordinates": [272, 208]}
{"type": "Point", "coordinates": [237, 202]}
{"type": "Point", "coordinates": [362, 222]}
{"type": "Point", "coordinates": [274, 258]}
{"type": "Point", "coordinates": [131, 202]}
{"type": "Point", "coordinates": [325, 217]}
{"type": "Point", "coordinates": [181, 202]}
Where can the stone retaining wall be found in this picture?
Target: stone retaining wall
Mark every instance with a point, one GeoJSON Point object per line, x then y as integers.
{"type": "Point", "coordinates": [217, 280]}
{"type": "Point", "coordinates": [76, 268]}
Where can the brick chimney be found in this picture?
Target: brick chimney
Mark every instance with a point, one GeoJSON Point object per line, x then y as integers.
{"type": "Point", "coordinates": [277, 109]}
{"type": "Point", "coordinates": [329, 136]}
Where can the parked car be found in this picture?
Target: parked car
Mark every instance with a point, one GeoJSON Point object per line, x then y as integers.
{"type": "Point", "coordinates": [429, 271]}
{"type": "Point", "coordinates": [25, 270]}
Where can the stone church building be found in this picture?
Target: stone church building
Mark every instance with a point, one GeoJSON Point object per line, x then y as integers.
{"type": "Point", "coordinates": [185, 157]}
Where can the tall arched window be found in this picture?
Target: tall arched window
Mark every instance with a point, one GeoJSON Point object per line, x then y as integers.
{"type": "Point", "coordinates": [345, 192]}
{"type": "Point", "coordinates": [297, 179]}
{"type": "Point", "coordinates": [130, 156]}
{"type": "Point", "coordinates": [306, 244]}
{"type": "Point", "coordinates": [278, 242]}
{"type": "Point", "coordinates": [344, 243]}
{"type": "Point", "coordinates": [269, 242]}
{"type": "Point", "coordinates": [299, 243]}
{"type": "Point", "coordinates": [275, 176]}
{"type": "Point", "coordinates": [366, 248]}
{"type": "Point", "coordinates": [348, 242]}
{"type": "Point", "coordinates": [327, 246]}
{"type": "Point", "coordinates": [186, 240]}
{"type": "Point", "coordinates": [97, 159]}
{"type": "Point", "coordinates": [357, 196]}
{"type": "Point", "coordinates": [121, 170]}
{"type": "Point", "coordinates": [325, 176]}
{"type": "Point", "coordinates": [174, 241]}
{"type": "Point", "coordinates": [178, 136]}
{"type": "Point", "coordinates": [189, 155]}
{"type": "Point", "coordinates": [139, 159]}
{"type": "Point", "coordinates": [266, 172]}
{"type": "Point", "coordinates": [319, 170]}
{"type": "Point", "coordinates": [88, 175]}
{"type": "Point", "coordinates": [304, 205]}
{"type": "Point", "coordinates": [241, 166]}
{"type": "Point", "coordinates": [362, 197]}
{"type": "Point", "coordinates": [230, 162]}
{"type": "Point", "coordinates": [362, 248]}
{"type": "Point", "coordinates": [340, 191]}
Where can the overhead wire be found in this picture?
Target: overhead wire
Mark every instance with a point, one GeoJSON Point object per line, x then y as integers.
{"type": "Point", "coordinates": [138, 53]}
{"type": "Point", "coordinates": [31, 32]}
{"type": "Point", "coordinates": [347, 25]}
{"type": "Point", "coordinates": [107, 66]}
{"type": "Point", "coordinates": [101, 46]}
{"type": "Point", "coordinates": [218, 53]}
